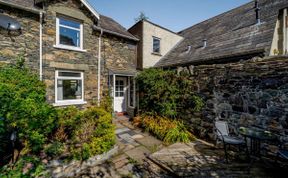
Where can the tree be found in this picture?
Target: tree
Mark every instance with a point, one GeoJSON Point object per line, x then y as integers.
{"type": "Point", "coordinates": [141, 16]}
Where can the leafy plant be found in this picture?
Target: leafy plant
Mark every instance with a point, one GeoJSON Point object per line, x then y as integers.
{"type": "Point", "coordinates": [55, 149]}
{"type": "Point", "coordinates": [26, 167]}
{"type": "Point", "coordinates": [168, 130]}
{"type": "Point", "coordinates": [165, 93]}
{"type": "Point", "coordinates": [94, 135]}
{"type": "Point", "coordinates": [24, 107]}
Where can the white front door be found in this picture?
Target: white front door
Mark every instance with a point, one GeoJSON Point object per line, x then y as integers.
{"type": "Point", "coordinates": [120, 94]}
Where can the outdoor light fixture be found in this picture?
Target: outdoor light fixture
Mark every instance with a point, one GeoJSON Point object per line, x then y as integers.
{"type": "Point", "coordinates": [9, 23]}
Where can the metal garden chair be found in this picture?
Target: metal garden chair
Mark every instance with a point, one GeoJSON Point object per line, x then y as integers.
{"type": "Point", "coordinates": [222, 131]}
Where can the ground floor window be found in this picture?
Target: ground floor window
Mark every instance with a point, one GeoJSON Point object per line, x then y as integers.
{"type": "Point", "coordinates": [69, 86]}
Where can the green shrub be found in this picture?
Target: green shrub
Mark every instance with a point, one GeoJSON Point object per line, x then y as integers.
{"type": "Point", "coordinates": [24, 107]}
{"type": "Point", "coordinates": [67, 122]}
{"type": "Point", "coordinates": [164, 93]}
{"type": "Point", "coordinates": [168, 130]}
{"type": "Point", "coordinates": [26, 167]}
{"type": "Point", "coordinates": [94, 135]}
{"type": "Point", "coordinates": [55, 149]}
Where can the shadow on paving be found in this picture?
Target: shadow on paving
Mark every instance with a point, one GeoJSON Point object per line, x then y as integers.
{"type": "Point", "coordinates": [199, 159]}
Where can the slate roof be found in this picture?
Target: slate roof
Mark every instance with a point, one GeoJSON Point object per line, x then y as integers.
{"type": "Point", "coordinates": [110, 24]}
{"type": "Point", "coordinates": [106, 23]}
{"type": "Point", "coordinates": [231, 34]}
{"type": "Point", "coordinates": [22, 4]}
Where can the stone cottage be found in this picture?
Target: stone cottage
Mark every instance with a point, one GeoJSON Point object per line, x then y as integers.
{"type": "Point", "coordinates": [80, 54]}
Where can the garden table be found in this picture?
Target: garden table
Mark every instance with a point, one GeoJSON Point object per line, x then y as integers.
{"type": "Point", "coordinates": [257, 137]}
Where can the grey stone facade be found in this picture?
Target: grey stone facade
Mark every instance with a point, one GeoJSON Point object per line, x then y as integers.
{"type": "Point", "coordinates": [117, 52]}
{"type": "Point", "coordinates": [25, 44]}
{"type": "Point", "coordinates": [249, 93]}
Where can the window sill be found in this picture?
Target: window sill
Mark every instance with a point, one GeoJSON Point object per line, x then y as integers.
{"type": "Point", "coordinates": [69, 48]}
{"type": "Point", "coordinates": [157, 54]}
{"type": "Point", "coordinates": [67, 103]}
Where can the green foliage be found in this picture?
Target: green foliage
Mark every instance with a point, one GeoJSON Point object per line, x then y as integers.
{"type": "Point", "coordinates": [24, 107]}
{"type": "Point", "coordinates": [26, 167]}
{"type": "Point", "coordinates": [106, 103]}
{"type": "Point", "coordinates": [141, 17]}
{"type": "Point", "coordinates": [168, 130]}
{"type": "Point", "coordinates": [178, 134]}
{"type": "Point", "coordinates": [55, 149]}
{"type": "Point", "coordinates": [167, 94]}
{"type": "Point", "coordinates": [95, 133]}
{"type": "Point", "coordinates": [67, 122]}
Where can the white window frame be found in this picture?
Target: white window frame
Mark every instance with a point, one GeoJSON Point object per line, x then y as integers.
{"type": "Point", "coordinates": [154, 37]}
{"type": "Point", "coordinates": [129, 92]}
{"type": "Point", "coordinates": [68, 102]}
{"type": "Point", "coordinates": [61, 46]}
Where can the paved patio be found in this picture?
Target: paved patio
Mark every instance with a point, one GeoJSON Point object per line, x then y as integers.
{"type": "Point", "coordinates": [141, 155]}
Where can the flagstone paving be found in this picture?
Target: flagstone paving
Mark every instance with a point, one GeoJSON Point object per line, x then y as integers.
{"type": "Point", "coordinates": [142, 155]}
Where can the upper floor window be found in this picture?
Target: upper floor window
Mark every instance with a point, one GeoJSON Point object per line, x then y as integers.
{"type": "Point", "coordinates": [69, 33]}
{"type": "Point", "coordinates": [156, 45]}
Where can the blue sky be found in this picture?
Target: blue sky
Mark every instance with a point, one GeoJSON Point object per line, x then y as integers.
{"type": "Point", "coordinates": [172, 14]}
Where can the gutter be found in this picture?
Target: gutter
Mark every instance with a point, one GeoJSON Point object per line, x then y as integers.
{"type": "Point", "coordinates": [99, 67]}
{"type": "Point", "coordinates": [41, 48]}
{"type": "Point", "coordinates": [33, 10]}
{"type": "Point", "coordinates": [114, 33]}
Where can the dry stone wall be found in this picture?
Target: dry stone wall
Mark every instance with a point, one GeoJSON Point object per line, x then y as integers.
{"type": "Point", "coordinates": [250, 93]}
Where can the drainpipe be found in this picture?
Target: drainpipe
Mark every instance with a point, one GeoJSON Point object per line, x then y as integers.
{"type": "Point", "coordinates": [285, 45]}
{"type": "Point", "coordinates": [41, 48]}
{"type": "Point", "coordinates": [99, 66]}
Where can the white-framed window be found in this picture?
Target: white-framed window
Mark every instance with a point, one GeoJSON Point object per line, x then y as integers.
{"type": "Point", "coordinates": [69, 33]}
{"type": "Point", "coordinates": [131, 99]}
{"type": "Point", "coordinates": [69, 87]}
{"type": "Point", "coordinates": [156, 45]}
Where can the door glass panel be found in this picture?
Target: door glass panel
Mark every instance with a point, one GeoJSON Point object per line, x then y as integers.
{"type": "Point", "coordinates": [119, 88]}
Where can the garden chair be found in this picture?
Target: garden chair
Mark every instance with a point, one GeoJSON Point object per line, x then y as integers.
{"type": "Point", "coordinates": [222, 133]}
{"type": "Point", "coordinates": [283, 151]}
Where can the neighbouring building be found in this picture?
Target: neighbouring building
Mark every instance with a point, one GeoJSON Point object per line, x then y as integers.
{"type": "Point", "coordinates": [80, 54]}
{"type": "Point", "coordinates": [256, 29]}
{"type": "Point", "coordinates": [155, 42]}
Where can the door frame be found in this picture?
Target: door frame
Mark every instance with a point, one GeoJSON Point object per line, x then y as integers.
{"type": "Point", "coordinates": [113, 82]}
{"type": "Point", "coordinates": [124, 108]}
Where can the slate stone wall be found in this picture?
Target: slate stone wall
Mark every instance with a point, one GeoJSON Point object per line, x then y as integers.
{"type": "Point", "coordinates": [24, 44]}
{"type": "Point", "coordinates": [116, 52]}
{"type": "Point", "coordinates": [250, 93]}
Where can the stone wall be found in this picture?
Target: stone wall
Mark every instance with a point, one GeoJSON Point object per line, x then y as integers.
{"type": "Point", "coordinates": [55, 59]}
{"type": "Point", "coordinates": [24, 44]}
{"type": "Point", "coordinates": [250, 93]}
{"type": "Point", "coordinates": [117, 53]}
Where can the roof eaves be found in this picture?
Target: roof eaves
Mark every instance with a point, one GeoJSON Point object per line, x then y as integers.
{"type": "Point", "coordinates": [115, 33]}
{"type": "Point", "coordinates": [200, 61]}
{"type": "Point", "coordinates": [33, 10]}
{"type": "Point", "coordinates": [91, 9]}
{"type": "Point", "coordinates": [161, 27]}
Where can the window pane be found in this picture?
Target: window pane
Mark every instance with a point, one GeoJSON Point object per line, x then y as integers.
{"type": "Point", "coordinates": [156, 45]}
{"type": "Point", "coordinates": [121, 94]}
{"type": "Point", "coordinates": [69, 74]}
{"type": "Point", "coordinates": [69, 37]}
{"type": "Point", "coordinates": [69, 89]}
{"type": "Point", "coordinates": [69, 23]}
